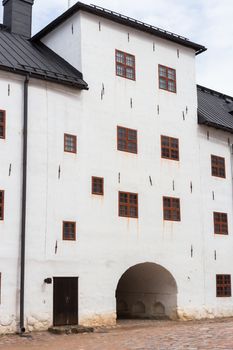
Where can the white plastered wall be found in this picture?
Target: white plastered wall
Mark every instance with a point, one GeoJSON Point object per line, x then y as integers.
{"type": "Point", "coordinates": [107, 245]}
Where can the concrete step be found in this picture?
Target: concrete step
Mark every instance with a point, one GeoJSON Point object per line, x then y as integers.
{"type": "Point", "coordinates": [70, 329]}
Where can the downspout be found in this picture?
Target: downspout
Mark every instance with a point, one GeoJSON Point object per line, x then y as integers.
{"type": "Point", "coordinates": [24, 202]}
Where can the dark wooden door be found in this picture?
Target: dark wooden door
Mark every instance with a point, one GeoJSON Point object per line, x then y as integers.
{"type": "Point", "coordinates": [65, 301]}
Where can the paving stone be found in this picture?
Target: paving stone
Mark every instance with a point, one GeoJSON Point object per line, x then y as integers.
{"type": "Point", "coordinates": [134, 335]}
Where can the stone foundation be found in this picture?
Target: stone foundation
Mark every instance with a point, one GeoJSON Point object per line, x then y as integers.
{"type": "Point", "coordinates": [97, 320]}
{"type": "Point", "coordinates": [203, 313]}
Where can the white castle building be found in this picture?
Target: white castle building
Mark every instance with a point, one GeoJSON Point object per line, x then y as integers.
{"type": "Point", "coordinates": [115, 174]}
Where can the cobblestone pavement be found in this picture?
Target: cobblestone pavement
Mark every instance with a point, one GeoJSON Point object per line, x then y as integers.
{"type": "Point", "coordinates": [134, 335]}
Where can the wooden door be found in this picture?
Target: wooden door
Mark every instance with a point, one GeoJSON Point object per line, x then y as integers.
{"type": "Point", "coordinates": [65, 301]}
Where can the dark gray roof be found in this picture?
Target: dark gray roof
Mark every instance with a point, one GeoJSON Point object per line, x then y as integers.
{"type": "Point", "coordinates": [118, 18]}
{"type": "Point", "coordinates": [214, 109]}
{"type": "Point", "coordinates": [21, 56]}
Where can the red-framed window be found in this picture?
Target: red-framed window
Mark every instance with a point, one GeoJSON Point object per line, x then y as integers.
{"type": "Point", "coordinates": [220, 223]}
{"type": "Point", "coordinates": [218, 166]}
{"type": "Point", "coordinates": [97, 185]}
{"type": "Point", "coordinates": [69, 230]}
{"type": "Point", "coordinates": [223, 285]}
{"type": "Point", "coordinates": [169, 147]}
{"type": "Point", "coordinates": [171, 208]}
{"type": "Point", "coordinates": [2, 124]}
{"type": "Point", "coordinates": [167, 78]}
{"type": "Point", "coordinates": [128, 204]}
{"type": "Point", "coordinates": [125, 65]}
{"type": "Point", "coordinates": [70, 143]}
{"type": "Point", "coordinates": [127, 140]}
{"type": "Point", "coordinates": [1, 205]}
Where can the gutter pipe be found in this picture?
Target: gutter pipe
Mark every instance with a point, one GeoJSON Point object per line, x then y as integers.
{"type": "Point", "coordinates": [24, 202]}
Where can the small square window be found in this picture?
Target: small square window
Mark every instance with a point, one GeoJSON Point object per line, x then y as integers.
{"type": "Point", "coordinates": [97, 185]}
{"type": "Point", "coordinates": [171, 209]}
{"type": "Point", "coordinates": [128, 204]}
{"type": "Point", "coordinates": [220, 223]}
{"type": "Point", "coordinates": [218, 166]}
{"type": "Point", "coordinates": [2, 124]}
{"type": "Point", "coordinates": [69, 230]}
{"type": "Point", "coordinates": [223, 285]}
{"type": "Point", "coordinates": [167, 78]}
{"type": "Point", "coordinates": [125, 65]}
{"type": "Point", "coordinates": [169, 148]}
{"type": "Point", "coordinates": [126, 140]}
{"type": "Point", "coordinates": [70, 143]}
{"type": "Point", "coordinates": [1, 205]}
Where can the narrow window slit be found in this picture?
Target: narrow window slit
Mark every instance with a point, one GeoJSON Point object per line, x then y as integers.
{"type": "Point", "coordinates": [150, 179]}
{"type": "Point", "coordinates": [102, 91]}
{"type": "Point", "coordinates": [56, 247]}
{"type": "Point", "coordinates": [191, 187]}
{"type": "Point", "coordinates": [131, 102]}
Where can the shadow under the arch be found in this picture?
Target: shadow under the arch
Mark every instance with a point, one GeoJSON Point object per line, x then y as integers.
{"type": "Point", "coordinates": [146, 291]}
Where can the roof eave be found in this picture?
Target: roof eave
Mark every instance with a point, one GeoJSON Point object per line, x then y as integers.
{"type": "Point", "coordinates": [213, 92]}
{"type": "Point", "coordinates": [202, 121]}
{"type": "Point", "coordinates": [115, 17]}
{"type": "Point", "coordinates": [45, 77]}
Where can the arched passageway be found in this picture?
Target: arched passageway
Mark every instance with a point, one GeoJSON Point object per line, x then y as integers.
{"type": "Point", "coordinates": [146, 291]}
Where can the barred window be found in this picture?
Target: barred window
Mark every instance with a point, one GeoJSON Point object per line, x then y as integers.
{"type": "Point", "coordinates": [169, 148]}
{"type": "Point", "coordinates": [220, 223]}
{"type": "Point", "coordinates": [171, 209]}
{"type": "Point", "coordinates": [70, 143]}
{"type": "Point", "coordinates": [2, 124]}
{"type": "Point", "coordinates": [128, 204]}
{"type": "Point", "coordinates": [126, 139]}
{"type": "Point", "coordinates": [125, 65]}
{"type": "Point", "coordinates": [97, 185]}
{"type": "Point", "coordinates": [1, 205]}
{"type": "Point", "coordinates": [223, 285]}
{"type": "Point", "coordinates": [69, 230]}
{"type": "Point", "coordinates": [167, 78]}
{"type": "Point", "coordinates": [218, 166]}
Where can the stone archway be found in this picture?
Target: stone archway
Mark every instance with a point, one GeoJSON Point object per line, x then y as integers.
{"type": "Point", "coordinates": [146, 291]}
